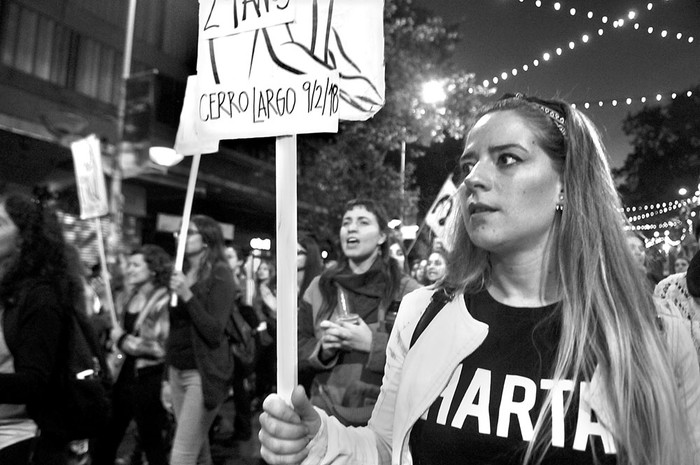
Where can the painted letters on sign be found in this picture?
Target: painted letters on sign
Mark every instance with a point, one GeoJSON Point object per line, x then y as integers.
{"type": "Point", "coordinates": [218, 18]}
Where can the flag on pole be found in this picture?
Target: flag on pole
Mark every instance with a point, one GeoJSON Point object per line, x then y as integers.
{"type": "Point", "coordinates": [442, 208]}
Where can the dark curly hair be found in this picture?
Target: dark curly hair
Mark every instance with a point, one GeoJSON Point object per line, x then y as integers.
{"type": "Point", "coordinates": [43, 254]}
{"type": "Point", "coordinates": [158, 261]}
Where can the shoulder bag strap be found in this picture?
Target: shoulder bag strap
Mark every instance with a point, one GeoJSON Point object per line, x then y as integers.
{"type": "Point", "coordinates": [437, 302]}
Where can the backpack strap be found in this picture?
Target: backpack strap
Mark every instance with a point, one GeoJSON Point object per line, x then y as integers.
{"type": "Point", "coordinates": [437, 302]}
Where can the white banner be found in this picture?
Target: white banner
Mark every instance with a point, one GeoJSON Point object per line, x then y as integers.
{"type": "Point", "coordinates": [345, 36]}
{"type": "Point", "coordinates": [187, 140]}
{"type": "Point", "coordinates": [442, 208]}
{"type": "Point", "coordinates": [89, 177]}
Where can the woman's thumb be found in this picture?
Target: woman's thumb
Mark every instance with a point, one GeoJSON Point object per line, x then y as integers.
{"type": "Point", "coordinates": [306, 411]}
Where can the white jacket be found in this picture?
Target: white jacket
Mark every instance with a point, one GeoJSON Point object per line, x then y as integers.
{"type": "Point", "coordinates": [414, 379]}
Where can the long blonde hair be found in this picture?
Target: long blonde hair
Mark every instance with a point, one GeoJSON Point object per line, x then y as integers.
{"type": "Point", "coordinates": [608, 318]}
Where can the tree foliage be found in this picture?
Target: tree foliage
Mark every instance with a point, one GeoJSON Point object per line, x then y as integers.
{"type": "Point", "coordinates": [666, 151]}
{"type": "Point", "coordinates": [362, 160]}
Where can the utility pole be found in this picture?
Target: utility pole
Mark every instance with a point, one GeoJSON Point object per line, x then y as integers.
{"type": "Point", "coordinates": [114, 239]}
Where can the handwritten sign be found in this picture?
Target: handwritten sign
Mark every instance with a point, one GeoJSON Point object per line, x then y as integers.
{"type": "Point", "coordinates": [218, 18]}
{"type": "Point", "coordinates": [343, 36]}
{"type": "Point", "coordinates": [89, 177]}
{"type": "Point", "coordinates": [188, 141]}
{"type": "Point", "coordinates": [297, 105]}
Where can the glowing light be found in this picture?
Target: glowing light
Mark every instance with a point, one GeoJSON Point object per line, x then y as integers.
{"type": "Point", "coordinates": [545, 56]}
{"type": "Point", "coordinates": [600, 32]}
{"type": "Point", "coordinates": [643, 99]}
{"type": "Point", "coordinates": [590, 15]}
{"type": "Point", "coordinates": [631, 15]}
{"type": "Point", "coordinates": [650, 29]}
{"type": "Point", "coordinates": [486, 83]}
{"type": "Point", "coordinates": [514, 72]}
{"type": "Point", "coordinates": [690, 94]}
{"type": "Point", "coordinates": [586, 105]}
{"type": "Point", "coordinates": [600, 104]}
{"type": "Point", "coordinates": [628, 101]}
{"type": "Point", "coordinates": [433, 92]}
{"type": "Point", "coordinates": [614, 103]}
{"type": "Point", "coordinates": [504, 75]}
{"type": "Point", "coordinates": [673, 96]}
{"type": "Point", "coordinates": [572, 12]}
{"type": "Point", "coordinates": [572, 45]}
{"type": "Point", "coordinates": [164, 156]}
{"type": "Point", "coordinates": [682, 191]}
{"type": "Point", "coordinates": [679, 35]}
{"type": "Point", "coordinates": [495, 80]}
{"type": "Point", "coordinates": [690, 40]}
{"type": "Point", "coordinates": [557, 6]}
{"type": "Point", "coordinates": [538, 3]}
{"type": "Point", "coordinates": [525, 67]}
{"type": "Point", "coordinates": [636, 25]}
{"type": "Point", "coordinates": [604, 19]}
{"type": "Point", "coordinates": [536, 62]}
{"type": "Point", "coordinates": [584, 38]}
{"type": "Point", "coordinates": [664, 33]}
{"type": "Point", "coordinates": [620, 22]}
{"type": "Point", "coordinates": [658, 97]}
{"type": "Point", "coordinates": [558, 51]}
{"type": "Point", "coordinates": [650, 6]}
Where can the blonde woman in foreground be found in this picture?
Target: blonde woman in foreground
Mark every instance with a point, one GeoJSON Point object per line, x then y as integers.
{"type": "Point", "coordinates": [549, 348]}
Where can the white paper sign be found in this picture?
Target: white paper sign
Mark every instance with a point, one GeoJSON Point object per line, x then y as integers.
{"type": "Point", "coordinates": [218, 18]}
{"type": "Point", "coordinates": [187, 140]}
{"type": "Point", "coordinates": [89, 177]}
{"type": "Point", "coordinates": [343, 36]}
{"type": "Point", "coordinates": [442, 208]}
{"type": "Point", "coordinates": [267, 107]}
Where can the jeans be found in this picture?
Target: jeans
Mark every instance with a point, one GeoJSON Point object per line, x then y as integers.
{"type": "Point", "coordinates": [191, 443]}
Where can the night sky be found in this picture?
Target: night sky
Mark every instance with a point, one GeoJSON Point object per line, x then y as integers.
{"type": "Point", "coordinates": [499, 35]}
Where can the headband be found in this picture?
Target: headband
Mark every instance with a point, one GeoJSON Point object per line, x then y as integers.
{"type": "Point", "coordinates": [555, 111]}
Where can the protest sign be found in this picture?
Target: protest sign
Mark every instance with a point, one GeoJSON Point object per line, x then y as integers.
{"type": "Point", "coordinates": [89, 178]}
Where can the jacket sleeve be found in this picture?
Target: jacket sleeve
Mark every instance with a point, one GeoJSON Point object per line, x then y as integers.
{"type": "Point", "coordinates": [209, 314]}
{"type": "Point", "coordinates": [309, 346]}
{"type": "Point", "coordinates": [35, 349]}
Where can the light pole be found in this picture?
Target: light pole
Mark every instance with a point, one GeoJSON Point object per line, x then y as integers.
{"type": "Point", "coordinates": [117, 199]}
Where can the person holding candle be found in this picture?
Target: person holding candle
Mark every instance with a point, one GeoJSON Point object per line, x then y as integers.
{"type": "Point", "coordinates": [342, 328]}
{"type": "Point", "coordinates": [197, 352]}
{"type": "Point", "coordinates": [545, 345]}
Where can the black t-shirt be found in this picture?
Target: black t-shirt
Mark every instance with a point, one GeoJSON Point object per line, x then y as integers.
{"type": "Point", "coordinates": [487, 412]}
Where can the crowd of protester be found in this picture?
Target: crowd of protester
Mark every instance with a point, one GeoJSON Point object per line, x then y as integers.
{"type": "Point", "coordinates": [158, 341]}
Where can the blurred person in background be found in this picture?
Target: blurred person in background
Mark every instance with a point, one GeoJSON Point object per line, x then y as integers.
{"type": "Point", "coordinates": [680, 264]}
{"type": "Point", "coordinates": [41, 290]}
{"type": "Point", "coordinates": [437, 266]}
{"type": "Point", "coordinates": [347, 355]}
{"type": "Point", "coordinates": [199, 359]}
{"type": "Point", "coordinates": [398, 253]}
{"type": "Point", "coordinates": [140, 339]}
{"type": "Point", "coordinates": [309, 265]}
{"type": "Point", "coordinates": [265, 305]}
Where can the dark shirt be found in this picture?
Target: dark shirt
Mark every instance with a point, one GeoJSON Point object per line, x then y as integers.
{"type": "Point", "coordinates": [487, 412]}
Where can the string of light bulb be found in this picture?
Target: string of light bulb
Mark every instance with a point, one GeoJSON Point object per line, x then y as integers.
{"type": "Point", "coordinates": [659, 96]}
{"type": "Point", "coordinates": [584, 39]}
